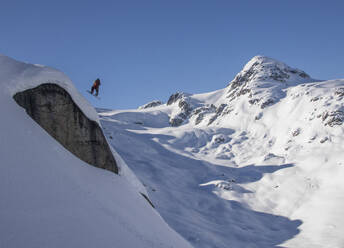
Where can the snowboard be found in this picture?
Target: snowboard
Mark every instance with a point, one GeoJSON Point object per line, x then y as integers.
{"type": "Point", "coordinates": [93, 95]}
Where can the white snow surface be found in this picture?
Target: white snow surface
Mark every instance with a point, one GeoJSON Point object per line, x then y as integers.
{"type": "Point", "coordinates": [49, 197]}
{"type": "Point", "coordinates": [19, 76]}
{"type": "Point", "coordinates": [257, 175]}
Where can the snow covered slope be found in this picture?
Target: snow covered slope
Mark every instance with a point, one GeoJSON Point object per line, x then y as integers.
{"type": "Point", "coordinates": [50, 198]}
{"type": "Point", "coordinates": [256, 164]}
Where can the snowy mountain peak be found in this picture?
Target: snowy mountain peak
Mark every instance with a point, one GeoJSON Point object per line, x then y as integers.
{"type": "Point", "coordinates": [261, 68]}
{"type": "Point", "coordinates": [264, 80]}
{"type": "Point", "coordinates": [261, 83]}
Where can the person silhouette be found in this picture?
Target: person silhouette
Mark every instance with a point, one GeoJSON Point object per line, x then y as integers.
{"type": "Point", "coordinates": [95, 86]}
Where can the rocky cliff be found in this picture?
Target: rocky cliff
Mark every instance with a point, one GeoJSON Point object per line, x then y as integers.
{"type": "Point", "coordinates": [53, 109]}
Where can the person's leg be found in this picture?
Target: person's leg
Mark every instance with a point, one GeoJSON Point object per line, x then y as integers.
{"type": "Point", "coordinates": [97, 91]}
{"type": "Point", "coordinates": [92, 89]}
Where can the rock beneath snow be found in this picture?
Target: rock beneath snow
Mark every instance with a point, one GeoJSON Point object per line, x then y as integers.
{"type": "Point", "coordinates": [267, 103]}
{"type": "Point", "coordinates": [177, 120]}
{"type": "Point", "coordinates": [262, 81]}
{"type": "Point", "coordinates": [54, 110]}
{"type": "Point", "coordinates": [184, 108]}
{"type": "Point", "coordinates": [339, 92]}
{"type": "Point", "coordinates": [151, 104]}
{"type": "Point", "coordinates": [333, 118]}
{"type": "Point", "coordinates": [296, 132]}
{"type": "Point", "coordinates": [175, 97]}
{"type": "Point", "coordinates": [261, 68]}
{"type": "Point", "coordinates": [200, 112]}
{"type": "Point", "coordinates": [323, 140]}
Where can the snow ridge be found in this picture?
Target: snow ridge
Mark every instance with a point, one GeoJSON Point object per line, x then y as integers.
{"type": "Point", "coordinates": [51, 198]}
{"type": "Point", "coordinates": [18, 76]}
{"type": "Point", "coordinates": [250, 165]}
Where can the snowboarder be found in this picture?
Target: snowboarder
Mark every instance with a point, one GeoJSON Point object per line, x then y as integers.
{"type": "Point", "coordinates": [95, 86]}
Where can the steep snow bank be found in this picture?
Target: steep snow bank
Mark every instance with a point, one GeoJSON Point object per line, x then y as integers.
{"type": "Point", "coordinates": [50, 198]}
{"type": "Point", "coordinates": [18, 76]}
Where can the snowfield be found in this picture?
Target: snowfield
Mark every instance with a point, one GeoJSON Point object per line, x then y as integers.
{"type": "Point", "coordinates": [49, 197]}
{"type": "Point", "coordinates": [257, 164]}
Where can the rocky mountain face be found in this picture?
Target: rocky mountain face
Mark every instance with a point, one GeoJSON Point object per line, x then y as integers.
{"type": "Point", "coordinates": [262, 75]}
{"type": "Point", "coordinates": [262, 82]}
{"type": "Point", "coordinates": [53, 108]}
{"type": "Point", "coordinates": [151, 104]}
{"type": "Point", "coordinates": [249, 165]}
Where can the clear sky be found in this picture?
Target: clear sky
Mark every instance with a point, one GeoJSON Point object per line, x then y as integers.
{"type": "Point", "coordinates": [144, 50]}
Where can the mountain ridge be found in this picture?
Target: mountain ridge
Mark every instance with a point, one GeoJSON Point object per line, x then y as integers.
{"type": "Point", "coordinates": [263, 81]}
{"type": "Point", "coordinates": [272, 149]}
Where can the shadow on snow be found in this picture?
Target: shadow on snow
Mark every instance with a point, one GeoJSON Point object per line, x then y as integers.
{"type": "Point", "coordinates": [204, 219]}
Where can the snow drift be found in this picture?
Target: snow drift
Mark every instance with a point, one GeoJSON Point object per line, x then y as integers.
{"type": "Point", "coordinates": [49, 197]}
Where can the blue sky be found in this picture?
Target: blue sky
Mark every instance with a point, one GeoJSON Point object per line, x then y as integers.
{"type": "Point", "coordinates": [146, 50]}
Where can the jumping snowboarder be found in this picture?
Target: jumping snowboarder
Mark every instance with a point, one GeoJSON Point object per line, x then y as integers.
{"type": "Point", "coordinates": [95, 86]}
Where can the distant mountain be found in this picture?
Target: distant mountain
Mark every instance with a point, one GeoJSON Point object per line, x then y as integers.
{"type": "Point", "coordinates": [258, 163]}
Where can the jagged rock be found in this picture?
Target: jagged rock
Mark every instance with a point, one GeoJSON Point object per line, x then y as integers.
{"type": "Point", "coordinates": [185, 108]}
{"type": "Point", "coordinates": [261, 68]}
{"type": "Point", "coordinates": [339, 92]}
{"type": "Point", "coordinates": [264, 79]}
{"type": "Point", "coordinates": [258, 116]}
{"type": "Point", "coordinates": [151, 104]}
{"type": "Point", "coordinates": [174, 97]}
{"type": "Point", "coordinates": [220, 108]}
{"type": "Point", "coordinates": [212, 119]}
{"type": "Point", "coordinates": [296, 132]}
{"type": "Point", "coordinates": [253, 101]}
{"type": "Point", "coordinates": [324, 115]}
{"type": "Point", "coordinates": [243, 92]}
{"type": "Point", "coordinates": [323, 140]}
{"type": "Point", "coordinates": [202, 111]}
{"type": "Point", "coordinates": [225, 185]}
{"type": "Point", "coordinates": [54, 110]}
{"type": "Point", "coordinates": [199, 119]}
{"type": "Point", "coordinates": [218, 112]}
{"type": "Point", "coordinates": [177, 120]}
{"type": "Point", "coordinates": [227, 110]}
{"type": "Point", "coordinates": [314, 99]}
{"type": "Point", "coordinates": [267, 103]}
{"type": "Point", "coordinates": [333, 118]}
{"type": "Point", "coordinates": [219, 140]}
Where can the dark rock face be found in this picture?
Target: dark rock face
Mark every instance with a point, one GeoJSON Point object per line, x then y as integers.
{"type": "Point", "coordinates": [202, 111]}
{"type": "Point", "coordinates": [333, 118]}
{"type": "Point", "coordinates": [339, 92]}
{"type": "Point", "coordinates": [175, 97]}
{"type": "Point", "coordinates": [151, 104]}
{"type": "Point", "coordinates": [178, 120]}
{"type": "Point", "coordinates": [54, 110]}
{"type": "Point", "coordinates": [184, 106]}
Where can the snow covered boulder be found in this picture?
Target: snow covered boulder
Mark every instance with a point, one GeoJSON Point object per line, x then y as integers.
{"type": "Point", "coordinates": [50, 197]}
{"type": "Point", "coordinates": [53, 109]}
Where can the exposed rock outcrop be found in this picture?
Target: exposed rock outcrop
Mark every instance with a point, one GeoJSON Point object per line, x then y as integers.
{"type": "Point", "coordinates": [54, 110]}
{"type": "Point", "coordinates": [151, 104]}
{"type": "Point", "coordinates": [175, 97]}
{"type": "Point", "coordinates": [184, 105]}
{"type": "Point", "coordinates": [263, 80]}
